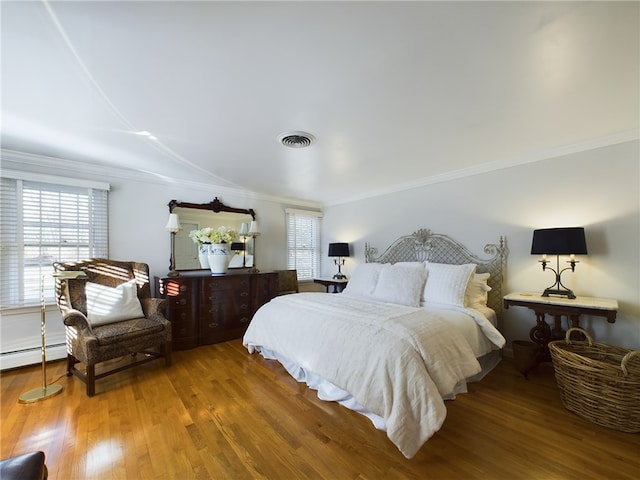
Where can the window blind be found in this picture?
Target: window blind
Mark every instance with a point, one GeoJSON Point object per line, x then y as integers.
{"type": "Point", "coordinates": [42, 223]}
{"type": "Point", "coordinates": [303, 242]}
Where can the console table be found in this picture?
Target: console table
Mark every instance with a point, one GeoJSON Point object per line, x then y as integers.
{"type": "Point", "coordinates": [205, 308]}
{"type": "Point", "coordinates": [337, 284]}
{"type": "Point", "coordinates": [542, 333]}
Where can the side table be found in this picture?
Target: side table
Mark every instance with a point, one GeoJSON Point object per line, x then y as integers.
{"type": "Point", "coordinates": [542, 333]}
{"type": "Point", "coordinates": [337, 284]}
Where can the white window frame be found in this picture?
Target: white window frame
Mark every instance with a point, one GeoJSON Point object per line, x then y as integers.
{"type": "Point", "coordinates": [62, 219]}
{"type": "Point", "coordinates": [303, 251]}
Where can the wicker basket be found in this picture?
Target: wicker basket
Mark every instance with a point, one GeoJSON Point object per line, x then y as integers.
{"type": "Point", "coordinates": [599, 382]}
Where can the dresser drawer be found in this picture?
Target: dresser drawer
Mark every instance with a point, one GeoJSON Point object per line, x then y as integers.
{"type": "Point", "coordinates": [209, 309]}
{"type": "Point", "coordinates": [182, 323]}
{"type": "Point", "coordinates": [177, 292]}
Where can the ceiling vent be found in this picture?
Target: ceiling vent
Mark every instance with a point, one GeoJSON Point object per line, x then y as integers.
{"type": "Point", "coordinates": [297, 139]}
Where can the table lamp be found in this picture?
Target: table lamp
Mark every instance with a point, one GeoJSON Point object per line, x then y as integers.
{"type": "Point", "coordinates": [339, 250]}
{"type": "Point", "coordinates": [559, 241]}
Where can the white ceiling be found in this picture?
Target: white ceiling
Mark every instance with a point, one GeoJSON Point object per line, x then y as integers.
{"type": "Point", "coordinates": [396, 93]}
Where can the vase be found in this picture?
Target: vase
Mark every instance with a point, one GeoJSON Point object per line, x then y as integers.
{"type": "Point", "coordinates": [218, 258]}
{"type": "Point", "coordinates": [203, 254]}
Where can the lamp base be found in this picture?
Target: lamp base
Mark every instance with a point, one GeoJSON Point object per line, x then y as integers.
{"type": "Point", "coordinates": [339, 276]}
{"type": "Point", "coordinates": [40, 393]}
{"type": "Point", "coordinates": [173, 273]}
{"type": "Point", "coordinates": [557, 292]}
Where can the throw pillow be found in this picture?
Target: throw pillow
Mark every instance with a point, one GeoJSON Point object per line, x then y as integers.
{"type": "Point", "coordinates": [447, 284]}
{"type": "Point", "coordinates": [401, 283]}
{"type": "Point", "coordinates": [110, 305]}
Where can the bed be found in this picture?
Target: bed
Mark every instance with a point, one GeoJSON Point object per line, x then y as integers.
{"type": "Point", "coordinates": [412, 327]}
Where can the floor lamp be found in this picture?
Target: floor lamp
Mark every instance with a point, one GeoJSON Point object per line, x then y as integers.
{"type": "Point", "coordinates": [46, 391]}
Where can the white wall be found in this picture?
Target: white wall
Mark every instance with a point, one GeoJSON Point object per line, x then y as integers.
{"type": "Point", "coordinates": [597, 189]}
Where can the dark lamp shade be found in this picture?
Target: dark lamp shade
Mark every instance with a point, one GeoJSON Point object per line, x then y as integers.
{"type": "Point", "coordinates": [559, 241]}
{"type": "Point", "coordinates": [338, 249]}
{"type": "Point", "coordinates": [237, 246]}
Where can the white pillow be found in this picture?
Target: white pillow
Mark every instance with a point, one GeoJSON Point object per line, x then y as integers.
{"type": "Point", "coordinates": [401, 283]}
{"type": "Point", "coordinates": [109, 305]}
{"type": "Point", "coordinates": [477, 288]}
{"type": "Point", "coordinates": [447, 284]}
{"type": "Point", "coordinates": [363, 280]}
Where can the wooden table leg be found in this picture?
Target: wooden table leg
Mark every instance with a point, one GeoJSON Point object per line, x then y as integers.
{"type": "Point", "coordinates": [541, 334]}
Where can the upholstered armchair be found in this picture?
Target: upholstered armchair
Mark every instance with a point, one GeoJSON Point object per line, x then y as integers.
{"type": "Point", "coordinates": [110, 314]}
{"type": "Point", "coordinates": [287, 282]}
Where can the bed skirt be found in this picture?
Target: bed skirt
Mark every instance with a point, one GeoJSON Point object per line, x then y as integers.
{"type": "Point", "coordinates": [329, 392]}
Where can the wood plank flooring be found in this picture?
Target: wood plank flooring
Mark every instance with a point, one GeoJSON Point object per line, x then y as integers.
{"type": "Point", "coordinates": [220, 413]}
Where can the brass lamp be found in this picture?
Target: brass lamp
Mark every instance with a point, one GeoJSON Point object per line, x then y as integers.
{"type": "Point", "coordinates": [46, 391]}
{"type": "Point", "coordinates": [243, 234]}
{"type": "Point", "coordinates": [173, 226]}
{"type": "Point", "coordinates": [253, 233]}
{"type": "Point", "coordinates": [559, 241]}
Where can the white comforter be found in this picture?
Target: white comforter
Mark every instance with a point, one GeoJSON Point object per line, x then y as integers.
{"type": "Point", "coordinates": [398, 362]}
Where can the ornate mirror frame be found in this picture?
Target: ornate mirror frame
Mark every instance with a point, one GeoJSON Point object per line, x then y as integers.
{"type": "Point", "coordinates": [215, 206]}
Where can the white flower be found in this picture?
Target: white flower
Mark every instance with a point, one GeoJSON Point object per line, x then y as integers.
{"type": "Point", "coordinates": [209, 235]}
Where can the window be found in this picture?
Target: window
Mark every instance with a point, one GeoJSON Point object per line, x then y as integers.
{"type": "Point", "coordinates": [303, 242]}
{"type": "Point", "coordinates": [43, 222]}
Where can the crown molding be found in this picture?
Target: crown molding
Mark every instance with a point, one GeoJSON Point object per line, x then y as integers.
{"type": "Point", "coordinates": [532, 157]}
{"type": "Point", "coordinates": [75, 169]}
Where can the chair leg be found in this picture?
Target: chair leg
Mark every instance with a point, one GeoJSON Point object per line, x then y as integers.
{"type": "Point", "coordinates": [91, 380]}
{"type": "Point", "coordinates": [71, 361]}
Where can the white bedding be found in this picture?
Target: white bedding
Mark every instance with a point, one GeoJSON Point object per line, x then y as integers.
{"type": "Point", "coordinates": [395, 361]}
{"type": "Point", "coordinates": [477, 325]}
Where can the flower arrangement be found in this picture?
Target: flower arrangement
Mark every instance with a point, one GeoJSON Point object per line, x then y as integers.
{"type": "Point", "coordinates": [213, 235]}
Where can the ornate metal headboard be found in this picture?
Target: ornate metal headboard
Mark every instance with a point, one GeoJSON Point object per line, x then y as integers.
{"type": "Point", "coordinates": [423, 245]}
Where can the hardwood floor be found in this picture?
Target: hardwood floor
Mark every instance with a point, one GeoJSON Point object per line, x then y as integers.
{"type": "Point", "coordinates": [220, 413]}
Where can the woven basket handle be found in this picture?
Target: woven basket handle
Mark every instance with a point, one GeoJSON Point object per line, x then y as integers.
{"type": "Point", "coordinates": [625, 359]}
{"type": "Point", "coordinates": [567, 337]}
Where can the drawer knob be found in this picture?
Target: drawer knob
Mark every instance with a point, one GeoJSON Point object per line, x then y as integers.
{"type": "Point", "coordinates": [213, 325]}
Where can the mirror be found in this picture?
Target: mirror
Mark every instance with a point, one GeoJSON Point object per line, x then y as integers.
{"type": "Point", "coordinates": [194, 216]}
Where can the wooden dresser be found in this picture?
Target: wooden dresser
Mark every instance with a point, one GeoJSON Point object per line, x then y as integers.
{"type": "Point", "coordinates": [205, 308]}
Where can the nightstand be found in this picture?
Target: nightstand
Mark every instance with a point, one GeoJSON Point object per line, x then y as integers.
{"type": "Point", "coordinates": [542, 333]}
{"type": "Point", "coordinates": [337, 284]}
